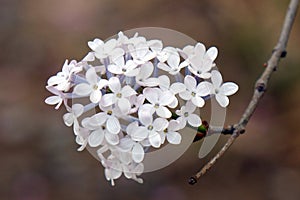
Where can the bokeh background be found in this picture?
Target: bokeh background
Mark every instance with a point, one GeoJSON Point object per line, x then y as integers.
{"type": "Point", "coordinates": [38, 158]}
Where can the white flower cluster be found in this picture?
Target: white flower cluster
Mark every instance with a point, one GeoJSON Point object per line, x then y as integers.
{"type": "Point", "coordinates": [135, 86]}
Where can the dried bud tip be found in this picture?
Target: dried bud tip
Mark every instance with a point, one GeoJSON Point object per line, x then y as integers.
{"type": "Point", "coordinates": [192, 181]}
{"type": "Point", "coordinates": [283, 54]}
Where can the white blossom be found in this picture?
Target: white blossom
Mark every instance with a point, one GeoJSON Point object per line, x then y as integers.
{"type": "Point", "coordinates": [221, 91]}
{"type": "Point", "coordinates": [119, 95]}
{"type": "Point", "coordinates": [195, 92]}
{"type": "Point", "coordinates": [92, 87]}
{"type": "Point", "coordinates": [186, 115]}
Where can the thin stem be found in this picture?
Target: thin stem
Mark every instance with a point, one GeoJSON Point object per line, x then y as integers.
{"type": "Point", "coordinates": [279, 51]}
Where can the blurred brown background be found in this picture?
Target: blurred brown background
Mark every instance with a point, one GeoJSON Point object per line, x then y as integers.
{"type": "Point", "coordinates": [38, 153]}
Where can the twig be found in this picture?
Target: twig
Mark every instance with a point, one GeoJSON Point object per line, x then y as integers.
{"type": "Point", "coordinates": [279, 51]}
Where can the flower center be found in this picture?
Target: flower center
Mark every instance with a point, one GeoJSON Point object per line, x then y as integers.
{"type": "Point", "coordinates": [119, 95]}
{"type": "Point", "coordinates": [109, 112]}
{"type": "Point", "coordinates": [150, 127]}
{"type": "Point", "coordinates": [186, 114]}
{"type": "Point", "coordinates": [217, 91]}
{"type": "Point", "coordinates": [156, 105]}
{"type": "Point", "coordinates": [166, 131]}
{"type": "Point", "coordinates": [123, 70]}
{"type": "Point", "coordinates": [193, 94]}
{"type": "Point", "coordinates": [95, 87]}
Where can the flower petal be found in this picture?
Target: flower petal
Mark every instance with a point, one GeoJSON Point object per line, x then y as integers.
{"type": "Point", "coordinates": [216, 78]}
{"type": "Point", "coordinates": [222, 100]}
{"type": "Point", "coordinates": [115, 69]}
{"type": "Point", "coordinates": [173, 60]}
{"type": "Point", "coordinates": [190, 82]}
{"type": "Point", "coordinates": [174, 137]}
{"type": "Point", "coordinates": [82, 89]}
{"type": "Point", "coordinates": [98, 119]}
{"type": "Point", "coordinates": [151, 94]}
{"type": "Point", "coordinates": [124, 105]}
{"type": "Point", "coordinates": [96, 138]}
{"type": "Point", "coordinates": [212, 53]}
{"type": "Point", "coordinates": [177, 88]}
{"type": "Point", "coordinates": [139, 134]}
{"type": "Point", "coordinates": [91, 76]}
{"type": "Point", "coordinates": [127, 91]}
{"type": "Point", "coordinates": [198, 101]}
{"type": "Point", "coordinates": [52, 100]}
{"type": "Point", "coordinates": [204, 88]}
{"type": "Point", "coordinates": [137, 153]}
{"type": "Point", "coordinates": [112, 139]}
{"type": "Point", "coordinates": [146, 70]}
{"type": "Point", "coordinates": [163, 112]}
{"type": "Point", "coordinates": [107, 100]}
{"type": "Point", "coordinates": [185, 95]}
{"type": "Point", "coordinates": [113, 125]}
{"type": "Point", "coordinates": [229, 88]}
{"type": "Point", "coordinates": [68, 119]}
{"type": "Point", "coordinates": [114, 84]}
{"type": "Point", "coordinates": [154, 139]}
{"type": "Point", "coordinates": [77, 109]}
{"type": "Point", "coordinates": [194, 120]}
{"type": "Point", "coordinates": [95, 96]}
{"type": "Point", "coordinates": [160, 124]}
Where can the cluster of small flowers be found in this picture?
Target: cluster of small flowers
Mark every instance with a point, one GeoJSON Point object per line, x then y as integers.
{"type": "Point", "coordinates": [136, 86]}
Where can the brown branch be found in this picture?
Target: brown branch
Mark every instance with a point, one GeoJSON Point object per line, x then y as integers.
{"type": "Point", "coordinates": [279, 51]}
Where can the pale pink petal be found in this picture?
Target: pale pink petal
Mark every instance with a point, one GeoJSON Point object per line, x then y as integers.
{"type": "Point", "coordinates": [127, 91]}
{"type": "Point", "coordinates": [222, 100]}
{"type": "Point", "coordinates": [160, 124]}
{"type": "Point", "coordinates": [163, 112]}
{"type": "Point", "coordinates": [229, 88]}
{"type": "Point", "coordinates": [82, 89]}
{"type": "Point", "coordinates": [113, 125]}
{"type": "Point", "coordinates": [146, 70]}
{"type": "Point", "coordinates": [151, 94]}
{"type": "Point", "coordinates": [77, 109]}
{"type": "Point", "coordinates": [212, 53]}
{"type": "Point", "coordinates": [110, 45]}
{"type": "Point", "coordinates": [68, 119]}
{"type": "Point", "coordinates": [139, 134]}
{"type": "Point", "coordinates": [177, 88]}
{"type": "Point", "coordinates": [115, 69]}
{"type": "Point", "coordinates": [165, 98]}
{"type": "Point", "coordinates": [52, 100]}
{"type": "Point", "coordinates": [194, 120]}
{"type": "Point", "coordinates": [154, 139]}
{"type": "Point", "coordinates": [96, 138]}
{"type": "Point", "coordinates": [95, 96]}
{"type": "Point", "coordinates": [190, 82]}
{"type": "Point", "coordinates": [173, 137]}
{"type": "Point", "coordinates": [137, 153]}
{"type": "Point", "coordinates": [164, 82]}
{"type": "Point", "coordinates": [124, 105]}
{"type": "Point", "coordinates": [98, 119]}
{"type": "Point", "coordinates": [112, 139]}
{"type": "Point", "coordinates": [185, 95]}
{"type": "Point", "coordinates": [173, 60]}
{"type": "Point", "coordinates": [151, 82]}
{"type": "Point", "coordinates": [190, 107]}
{"type": "Point", "coordinates": [216, 78]}
{"type": "Point", "coordinates": [91, 76]}
{"type": "Point", "coordinates": [95, 44]}
{"type": "Point", "coordinates": [145, 117]}
{"type": "Point", "coordinates": [164, 67]}
{"type": "Point", "coordinates": [204, 88]}
{"type": "Point", "coordinates": [108, 99]}
{"type": "Point", "coordinates": [200, 50]}
{"type": "Point", "coordinates": [198, 101]}
{"type": "Point", "coordinates": [126, 144]}
{"type": "Point", "coordinates": [174, 103]}
{"type": "Point", "coordinates": [205, 75]}
{"type": "Point", "coordinates": [114, 84]}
